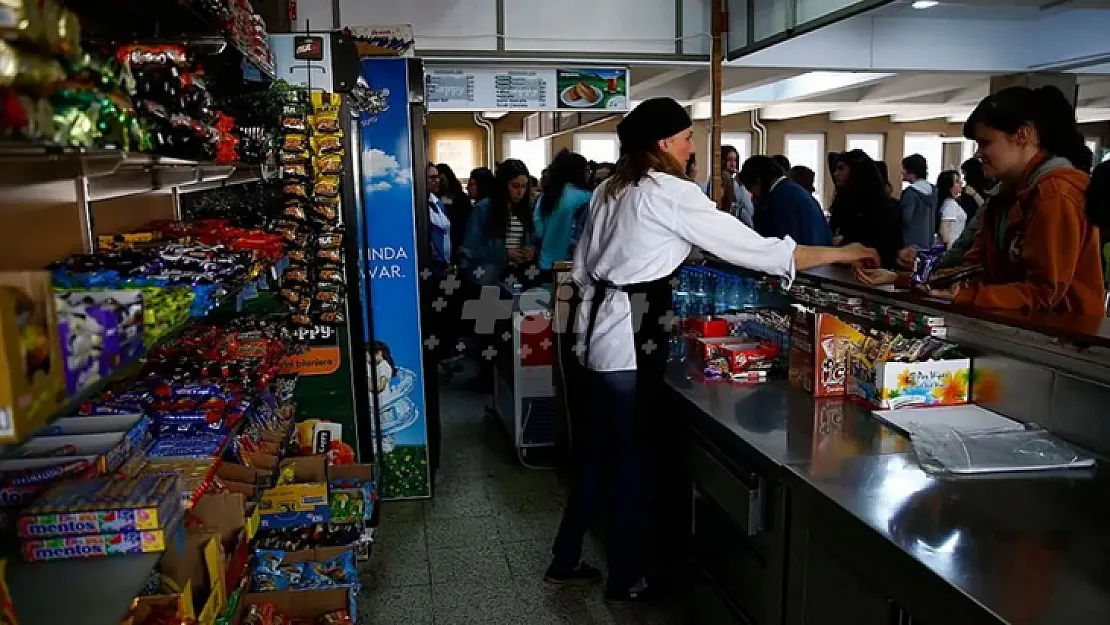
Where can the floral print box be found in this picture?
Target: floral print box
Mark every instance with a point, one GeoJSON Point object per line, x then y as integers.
{"type": "Point", "coordinates": [891, 385]}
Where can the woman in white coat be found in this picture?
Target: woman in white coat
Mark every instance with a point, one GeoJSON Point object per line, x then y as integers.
{"type": "Point", "coordinates": [643, 223]}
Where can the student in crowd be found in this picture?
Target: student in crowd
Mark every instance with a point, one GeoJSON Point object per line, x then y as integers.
{"type": "Point", "coordinates": [782, 162]}
{"type": "Point", "coordinates": [783, 208]}
{"type": "Point", "coordinates": [499, 236]}
{"type": "Point", "coordinates": [439, 224]}
{"type": "Point", "coordinates": [952, 216]}
{"type": "Point", "coordinates": [861, 210]}
{"type": "Point", "coordinates": [1039, 241]}
{"type": "Point", "coordinates": [976, 186]}
{"type": "Point", "coordinates": [479, 185]}
{"type": "Point", "coordinates": [735, 199]}
{"type": "Point", "coordinates": [562, 202]}
{"type": "Point", "coordinates": [641, 227]}
{"type": "Point", "coordinates": [601, 173]}
{"type": "Point", "coordinates": [692, 168]}
{"type": "Point", "coordinates": [804, 177]}
{"type": "Point", "coordinates": [918, 204]}
{"type": "Point", "coordinates": [456, 202]}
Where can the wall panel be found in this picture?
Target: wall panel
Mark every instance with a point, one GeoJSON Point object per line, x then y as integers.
{"type": "Point", "coordinates": [609, 26]}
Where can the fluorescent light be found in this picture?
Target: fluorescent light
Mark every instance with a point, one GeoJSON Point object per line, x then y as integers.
{"type": "Point", "coordinates": [924, 4]}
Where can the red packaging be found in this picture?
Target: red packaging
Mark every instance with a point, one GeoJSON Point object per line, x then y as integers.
{"type": "Point", "coordinates": [713, 348]}
{"type": "Point", "coordinates": [708, 327]}
{"type": "Point", "coordinates": [747, 357]}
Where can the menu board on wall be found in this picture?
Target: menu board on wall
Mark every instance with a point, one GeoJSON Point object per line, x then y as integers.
{"type": "Point", "coordinates": [526, 89]}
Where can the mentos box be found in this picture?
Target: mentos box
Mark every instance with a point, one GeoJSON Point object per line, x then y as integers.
{"type": "Point", "coordinates": [96, 545]}
{"type": "Point", "coordinates": [99, 506]}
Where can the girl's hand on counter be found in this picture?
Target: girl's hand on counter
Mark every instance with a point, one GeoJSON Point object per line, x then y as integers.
{"type": "Point", "coordinates": [875, 276]}
{"type": "Point", "coordinates": [905, 258]}
{"type": "Point", "coordinates": [838, 240]}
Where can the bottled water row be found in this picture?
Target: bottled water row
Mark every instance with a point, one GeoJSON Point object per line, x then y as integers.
{"type": "Point", "coordinates": [705, 291]}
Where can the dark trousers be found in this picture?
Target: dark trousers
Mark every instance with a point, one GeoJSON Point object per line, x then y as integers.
{"type": "Point", "coordinates": [608, 469]}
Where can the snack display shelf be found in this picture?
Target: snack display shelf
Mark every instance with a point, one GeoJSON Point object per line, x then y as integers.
{"type": "Point", "coordinates": [111, 173]}
{"type": "Point", "coordinates": [236, 295]}
{"type": "Point", "coordinates": [98, 591]}
{"type": "Point", "coordinates": [172, 20]}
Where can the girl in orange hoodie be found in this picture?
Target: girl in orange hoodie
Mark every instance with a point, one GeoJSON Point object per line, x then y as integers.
{"type": "Point", "coordinates": [1037, 246]}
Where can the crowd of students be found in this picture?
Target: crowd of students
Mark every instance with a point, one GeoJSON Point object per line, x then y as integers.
{"type": "Point", "coordinates": [1019, 218]}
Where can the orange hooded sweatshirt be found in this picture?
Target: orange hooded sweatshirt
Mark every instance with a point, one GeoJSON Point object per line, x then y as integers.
{"type": "Point", "coordinates": [1038, 250]}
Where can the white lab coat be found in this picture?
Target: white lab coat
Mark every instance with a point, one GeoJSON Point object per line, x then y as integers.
{"type": "Point", "coordinates": [646, 234]}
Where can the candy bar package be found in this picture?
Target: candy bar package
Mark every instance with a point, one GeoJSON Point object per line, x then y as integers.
{"type": "Point", "coordinates": [97, 505]}
{"type": "Point", "coordinates": [820, 345]}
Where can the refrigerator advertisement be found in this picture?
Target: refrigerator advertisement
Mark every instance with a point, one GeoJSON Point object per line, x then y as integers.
{"type": "Point", "coordinates": [395, 357]}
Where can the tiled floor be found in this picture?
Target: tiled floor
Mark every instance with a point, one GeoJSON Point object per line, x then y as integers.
{"type": "Point", "coordinates": [477, 552]}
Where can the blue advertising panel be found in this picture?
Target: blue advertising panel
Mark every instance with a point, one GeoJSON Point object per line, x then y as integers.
{"type": "Point", "coordinates": [395, 359]}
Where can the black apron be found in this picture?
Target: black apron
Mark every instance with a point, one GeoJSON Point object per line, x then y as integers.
{"type": "Point", "coordinates": [652, 339]}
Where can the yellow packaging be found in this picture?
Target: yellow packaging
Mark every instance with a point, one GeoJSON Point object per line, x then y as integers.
{"type": "Point", "coordinates": [32, 386]}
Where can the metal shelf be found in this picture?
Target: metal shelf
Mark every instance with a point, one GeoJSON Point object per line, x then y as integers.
{"type": "Point", "coordinates": [29, 172]}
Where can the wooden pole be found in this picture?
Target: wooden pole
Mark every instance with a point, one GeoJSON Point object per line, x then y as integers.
{"type": "Point", "coordinates": [718, 28]}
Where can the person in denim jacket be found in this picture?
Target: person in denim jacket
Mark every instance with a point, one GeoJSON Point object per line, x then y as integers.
{"type": "Point", "coordinates": [499, 238]}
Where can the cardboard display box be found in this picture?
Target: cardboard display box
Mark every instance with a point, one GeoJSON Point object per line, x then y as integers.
{"type": "Point", "coordinates": [304, 502]}
{"type": "Point", "coordinates": [32, 382]}
{"type": "Point", "coordinates": [890, 385]}
{"type": "Point", "coordinates": [198, 563]}
{"type": "Point", "coordinates": [225, 515]}
{"type": "Point", "coordinates": [298, 604]}
{"type": "Point", "coordinates": [820, 345]}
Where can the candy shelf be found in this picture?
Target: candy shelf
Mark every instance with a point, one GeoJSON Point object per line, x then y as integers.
{"type": "Point", "coordinates": [97, 591]}
{"type": "Point", "coordinates": [158, 20]}
{"type": "Point", "coordinates": [237, 296]}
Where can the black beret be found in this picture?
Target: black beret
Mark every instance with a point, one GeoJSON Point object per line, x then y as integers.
{"type": "Point", "coordinates": [650, 121]}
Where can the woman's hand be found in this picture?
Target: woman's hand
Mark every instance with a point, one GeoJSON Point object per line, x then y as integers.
{"type": "Point", "coordinates": [906, 256]}
{"type": "Point", "coordinates": [516, 255]}
{"type": "Point", "coordinates": [528, 253]}
{"type": "Point", "coordinates": [875, 276]}
{"type": "Point", "coordinates": [856, 253]}
{"type": "Point", "coordinates": [838, 240]}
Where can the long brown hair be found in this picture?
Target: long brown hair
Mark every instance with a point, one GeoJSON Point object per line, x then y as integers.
{"type": "Point", "coordinates": [634, 165]}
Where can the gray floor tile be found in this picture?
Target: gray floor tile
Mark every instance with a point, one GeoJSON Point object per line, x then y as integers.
{"type": "Point", "coordinates": [462, 604]}
{"type": "Point", "coordinates": [515, 527]}
{"type": "Point", "coordinates": [472, 567]}
{"type": "Point", "coordinates": [394, 512]}
{"type": "Point", "coordinates": [389, 606]}
{"type": "Point", "coordinates": [475, 532]}
{"type": "Point", "coordinates": [399, 558]}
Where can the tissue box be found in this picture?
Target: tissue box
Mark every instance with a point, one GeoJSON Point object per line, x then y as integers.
{"type": "Point", "coordinates": [890, 385]}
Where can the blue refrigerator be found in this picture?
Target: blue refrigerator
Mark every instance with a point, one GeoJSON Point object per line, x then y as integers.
{"type": "Point", "coordinates": [391, 227]}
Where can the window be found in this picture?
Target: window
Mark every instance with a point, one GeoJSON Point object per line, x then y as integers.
{"type": "Point", "coordinates": [458, 152]}
{"type": "Point", "coordinates": [872, 145]}
{"type": "Point", "coordinates": [599, 147]}
{"type": "Point", "coordinates": [929, 146]}
{"type": "Point", "coordinates": [967, 149]}
{"type": "Point", "coordinates": [809, 150]}
{"type": "Point", "coordinates": [535, 154]}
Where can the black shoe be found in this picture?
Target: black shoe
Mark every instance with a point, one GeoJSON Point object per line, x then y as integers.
{"type": "Point", "coordinates": [581, 575]}
{"type": "Point", "coordinates": [642, 593]}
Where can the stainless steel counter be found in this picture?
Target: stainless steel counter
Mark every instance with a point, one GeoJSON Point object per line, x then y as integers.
{"type": "Point", "coordinates": [1021, 551]}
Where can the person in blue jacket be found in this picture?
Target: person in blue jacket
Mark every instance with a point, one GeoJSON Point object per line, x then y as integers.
{"type": "Point", "coordinates": [562, 202]}
{"type": "Point", "coordinates": [782, 207]}
{"type": "Point", "coordinates": [500, 238]}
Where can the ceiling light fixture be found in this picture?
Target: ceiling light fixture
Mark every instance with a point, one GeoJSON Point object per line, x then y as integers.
{"type": "Point", "coordinates": [924, 4]}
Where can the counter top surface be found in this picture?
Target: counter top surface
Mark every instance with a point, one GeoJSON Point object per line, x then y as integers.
{"type": "Point", "coordinates": [1032, 550]}
{"type": "Point", "coordinates": [1076, 329]}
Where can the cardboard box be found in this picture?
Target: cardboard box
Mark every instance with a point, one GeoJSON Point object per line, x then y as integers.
{"type": "Point", "coordinates": [308, 605]}
{"type": "Point", "coordinates": [225, 515]}
{"type": "Point", "coordinates": [32, 384]}
{"type": "Point", "coordinates": [198, 563]}
{"type": "Point", "coordinates": [304, 502]}
{"type": "Point", "coordinates": [820, 345]}
{"type": "Point", "coordinates": [891, 385]}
